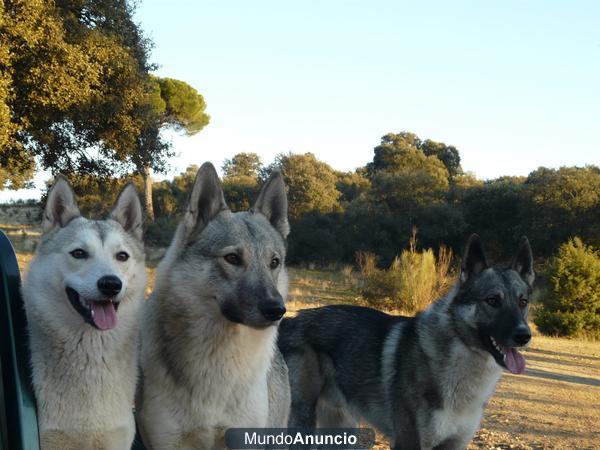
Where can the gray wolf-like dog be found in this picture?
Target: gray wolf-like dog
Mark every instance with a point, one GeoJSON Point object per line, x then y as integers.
{"type": "Point", "coordinates": [423, 381]}
{"type": "Point", "coordinates": [209, 338]}
{"type": "Point", "coordinates": [83, 294]}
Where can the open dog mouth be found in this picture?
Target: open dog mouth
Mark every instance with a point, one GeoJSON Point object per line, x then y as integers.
{"type": "Point", "coordinates": [507, 357]}
{"type": "Point", "coordinates": [101, 314]}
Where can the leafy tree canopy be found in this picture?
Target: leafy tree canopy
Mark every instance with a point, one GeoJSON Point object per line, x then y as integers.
{"type": "Point", "coordinates": [180, 105]}
{"type": "Point", "coordinates": [74, 79]}
{"type": "Point", "coordinates": [311, 183]}
{"type": "Point", "coordinates": [242, 165]}
{"type": "Point", "coordinates": [241, 180]}
{"type": "Point", "coordinates": [172, 104]}
{"type": "Point", "coordinates": [76, 94]}
{"type": "Point", "coordinates": [406, 151]}
{"type": "Point", "coordinates": [447, 154]}
{"type": "Point", "coordinates": [403, 175]}
{"type": "Point", "coordinates": [352, 184]}
{"type": "Point", "coordinates": [571, 189]}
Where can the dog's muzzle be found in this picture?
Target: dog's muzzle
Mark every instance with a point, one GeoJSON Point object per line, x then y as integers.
{"type": "Point", "coordinates": [508, 356]}
{"type": "Point", "coordinates": [272, 310]}
{"type": "Point", "coordinates": [102, 314]}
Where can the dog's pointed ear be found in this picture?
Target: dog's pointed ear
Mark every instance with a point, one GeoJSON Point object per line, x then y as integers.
{"type": "Point", "coordinates": [272, 203]}
{"type": "Point", "coordinates": [206, 199]}
{"type": "Point", "coordinates": [523, 261]}
{"type": "Point", "coordinates": [128, 211]}
{"type": "Point", "coordinates": [61, 205]}
{"type": "Point", "coordinates": [474, 262]}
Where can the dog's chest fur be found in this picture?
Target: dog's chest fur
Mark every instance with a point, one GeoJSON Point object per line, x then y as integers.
{"type": "Point", "coordinates": [209, 373]}
{"type": "Point", "coordinates": [465, 386]}
{"type": "Point", "coordinates": [86, 380]}
{"type": "Point", "coordinates": [464, 377]}
{"type": "Point", "coordinates": [227, 375]}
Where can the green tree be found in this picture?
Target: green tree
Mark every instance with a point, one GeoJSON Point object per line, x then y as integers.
{"type": "Point", "coordinates": [572, 306]}
{"type": "Point", "coordinates": [395, 152]}
{"type": "Point", "coordinates": [496, 210]}
{"type": "Point", "coordinates": [170, 196]}
{"type": "Point", "coordinates": [74, 77]}
{"type": "Point", "coordinates": [447, 154]}
{"type": "Point", "coordinates": [169, 199]}
{"type": "Point", "coordinates": [404, 177]}
{"type": "Point", "coordinates": [560, 203]}
{"type": "Point", "coordinates": [570, 189]}
{"type": "Point", "coordinates": [242, 165]}
{"type": "Point", "coordinates": [96, 195]}
{"type": "Point", "coordinates": [404, 149]}
{"type": "Point", "coordinates": [172, 104]}
{"type": "Point", "coordinates": [241, 180]}
{"type": "Point", "coordinates": [76, 94]}
{"type": "Point", "coordinates": [407, 190]}
{"type": "Point", "coordinates": [21, 165]}
{"type": "Point", "coordinates": [311, 183]}
{"type": "Point", "coordinates": [352, 184]}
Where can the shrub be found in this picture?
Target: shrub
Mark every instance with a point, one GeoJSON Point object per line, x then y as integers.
{"type": "Point", "coordinates": [572, 306]}
{"type": "Point", "coordinates": [568, 324]}
{"type": "Point", "coordinates": [411, 283]}
{"type": "Point", "coordinates": [160, 232]}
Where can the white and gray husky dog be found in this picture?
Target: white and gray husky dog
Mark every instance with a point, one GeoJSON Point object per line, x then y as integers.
{"type": "Point", "coordinates": [423, 381]}
{"type": "Point", "coordinates": [83, 293]}
{"type": "Point", "coordinates": [209, 353]}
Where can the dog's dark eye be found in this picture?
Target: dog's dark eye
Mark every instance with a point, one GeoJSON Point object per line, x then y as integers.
{"type": "Point", "coordinates": [523, 302]}
{"type": "Point", "coordinates": [275, 263]}
{"type": "Point", "coordinates": [233, 259]}
{"type": "Point", "coordinates": [493, 300]}
{"type": "Point", "coordinates": [79, 253]}
{"type": "Point", "coordinates": [122, 256]}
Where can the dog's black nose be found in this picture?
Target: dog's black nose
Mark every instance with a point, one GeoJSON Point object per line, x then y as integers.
{"type": "Point", "coordinates": [272, 309]}
{"type": "Point", "coordinates": [522, 335]}
{"type": "Point", "coordinates": [110, 285]}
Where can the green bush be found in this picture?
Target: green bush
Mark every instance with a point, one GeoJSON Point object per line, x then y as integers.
{"type": "Point", "coordinates": [568, 324]}
{"type": "Point", "coordinates": [411, 283]}
{"type": "Point", "coordinates": [160, 232]}
{"type": "Point", "coordinates": [572, 306]}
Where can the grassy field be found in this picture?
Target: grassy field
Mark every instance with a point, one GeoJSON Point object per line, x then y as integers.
{"type": "Point", "coordinates": [555, 404]}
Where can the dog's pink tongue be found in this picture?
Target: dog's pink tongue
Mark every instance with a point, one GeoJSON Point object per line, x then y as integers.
{"type": "Point", "coordinates": [515, 362]}
{"type": "Point", "coordinates": [105, 315]}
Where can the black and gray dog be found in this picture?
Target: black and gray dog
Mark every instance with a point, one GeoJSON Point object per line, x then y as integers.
{"type": "Point", "coordinates": [422, 381]}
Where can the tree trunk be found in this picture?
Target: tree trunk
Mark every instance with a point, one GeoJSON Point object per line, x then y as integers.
{"type": "Point", "coordinates": [148, 195]}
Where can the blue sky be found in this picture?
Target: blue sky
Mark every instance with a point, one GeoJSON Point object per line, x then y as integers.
{"type": "Point", "coordinates": [514, 85]}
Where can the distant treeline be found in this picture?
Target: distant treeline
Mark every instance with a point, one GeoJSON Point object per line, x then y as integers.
{"type": "Point", "coordinates": [409, 183]}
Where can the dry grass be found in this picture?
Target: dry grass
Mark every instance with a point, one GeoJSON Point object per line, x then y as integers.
{"type": "Point", "coordinates": [555, 404]}
{"type": "Point", "coordinates": [317, 288]}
